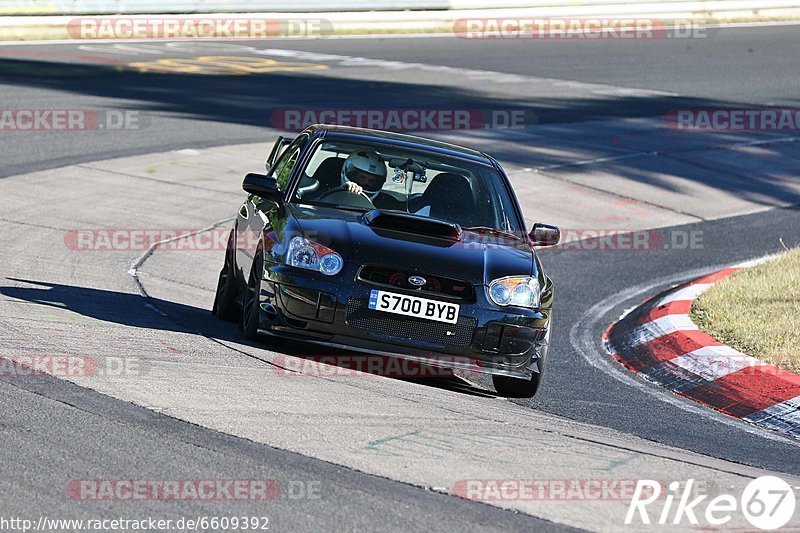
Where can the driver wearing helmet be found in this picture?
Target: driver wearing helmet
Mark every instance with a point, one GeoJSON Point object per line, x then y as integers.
{"type": "Point", "coordinates": [364, 172]}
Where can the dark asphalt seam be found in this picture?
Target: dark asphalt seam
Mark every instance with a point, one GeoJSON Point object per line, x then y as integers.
{"type": "Point", "coordinates": [728, 170]}
{"type": "Point", "coordinates": [134, 270]}
{"type": "Point", "coordinates": [613, 446]}
{"type": "Point", "coordinates": [60, 162]}
{"type": "Point", "coordinates": [31, 225]}
{"type": "Point", "coordinates": [134, 273]}
{"type": "Point", "coordinates": [88, 166]}
{"type": "Point", "coordinates": [251, 448]}
{"type": "Point", "coordinates": [175, 281]}
{"type": "Point", "coordinates": [618, 195]}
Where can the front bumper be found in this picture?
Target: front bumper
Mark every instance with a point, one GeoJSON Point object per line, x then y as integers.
{"type": "Point", "coordinates": [332, 312]}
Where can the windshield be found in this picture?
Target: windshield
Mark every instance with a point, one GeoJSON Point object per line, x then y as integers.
{"type": "Point", "coordinates": [362, 177]}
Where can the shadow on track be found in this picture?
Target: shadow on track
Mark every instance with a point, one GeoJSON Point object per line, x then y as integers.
{"type": "Point", "coordinates": [256, 100]}
{"type": "Point", "coordinates": [136, 311]}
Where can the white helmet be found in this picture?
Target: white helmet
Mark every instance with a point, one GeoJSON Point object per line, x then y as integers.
{"type": "Point", "coordinates": [364, 162]}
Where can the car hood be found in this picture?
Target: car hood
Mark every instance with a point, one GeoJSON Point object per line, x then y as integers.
{"type": "Point", "coordinates": [472, 257]}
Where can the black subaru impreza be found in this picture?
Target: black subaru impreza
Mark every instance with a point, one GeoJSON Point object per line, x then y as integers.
{"type": "Point", "coordinates": [393, 245]}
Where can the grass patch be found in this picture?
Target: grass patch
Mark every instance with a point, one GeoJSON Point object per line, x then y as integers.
{"type": "Point", "coordinates": [757, 311]}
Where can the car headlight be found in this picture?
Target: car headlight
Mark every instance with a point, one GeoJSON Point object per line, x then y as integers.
{"type": "Point", "coordinates": [521, 291]}
{"type": "Point", "coordinates": [310, 255]}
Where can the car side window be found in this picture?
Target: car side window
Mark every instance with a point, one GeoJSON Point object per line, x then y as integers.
{"type": "Point", "coordinates": [283, 168]}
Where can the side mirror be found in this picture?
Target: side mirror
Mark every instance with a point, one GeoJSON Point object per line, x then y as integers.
{"type": "Point", "coordinates": [545, 235]}
{"type": "Point", "coordinates": [277, 149]}
{"type": "Point", "coordinates": [262, 186]}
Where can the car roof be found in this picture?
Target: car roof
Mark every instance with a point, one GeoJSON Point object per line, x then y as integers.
{"type": "Point", "coordinates": [400, 139]}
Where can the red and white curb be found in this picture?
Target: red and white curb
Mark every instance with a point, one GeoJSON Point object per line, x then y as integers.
{"type": "Point", "coordinates": [659, 340]}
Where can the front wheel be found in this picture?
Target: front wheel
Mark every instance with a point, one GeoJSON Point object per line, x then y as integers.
{"type": "Point", "coordinates": [515, 387]}
{"type": "Point", "coordinates": [251, 307]}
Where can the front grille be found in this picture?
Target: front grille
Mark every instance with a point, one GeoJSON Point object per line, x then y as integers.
{"type": "Point", "coordinates": [436, 285]}
{"type": "Point", "coordinates": [360, 316]}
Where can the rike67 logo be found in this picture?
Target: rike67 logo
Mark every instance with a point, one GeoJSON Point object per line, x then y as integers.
{"type": "Point", "coordinates": [767, 503]}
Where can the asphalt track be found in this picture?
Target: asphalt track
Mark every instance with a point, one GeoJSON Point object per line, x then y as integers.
{"type": "Point", "coordinates": [55, 430]}
{"type": "Point", "coordinates": [746, 66]}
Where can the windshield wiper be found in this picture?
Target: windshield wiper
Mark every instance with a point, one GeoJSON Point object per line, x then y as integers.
{"type": "Point", "coordinates": [314, 203]}
{"type": "Point", "coordinates": [493, 231]}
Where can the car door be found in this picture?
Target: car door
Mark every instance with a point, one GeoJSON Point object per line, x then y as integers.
{"type": "Point", "coordinates": [255, 213]}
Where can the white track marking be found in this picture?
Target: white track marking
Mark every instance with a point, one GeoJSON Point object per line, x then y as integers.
{"type": "Point", "coordinates": [714, 362]}
{"type": "Point", "coordinates": [160, 48]}
{"type": "Point", "coordinates": [473, 74]}
{"type": "Point", "coordinates": [659, 327]}
{"type": "Point", "coordinates": [134, 270]}
{"type": "Point", "coordinates": [687, 293]}
{"type": "Point", "coordinates": [758, 261]}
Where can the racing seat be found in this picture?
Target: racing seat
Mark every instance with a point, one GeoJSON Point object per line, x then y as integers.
{"type": "Point", "coordinates": [328, 173]}
{"type": "Point", "coordinates": [449, 197]}
{"type": "Point", "coordinates": [308, 186]}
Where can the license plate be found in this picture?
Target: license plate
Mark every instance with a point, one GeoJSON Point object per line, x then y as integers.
{"type": "Point", "coordinates": [401, 304]}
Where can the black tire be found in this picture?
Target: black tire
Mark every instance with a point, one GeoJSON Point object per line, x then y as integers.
{"type": "Point", "coordinates": [225, 305]}
{"type": "Point", "coordinates": [251, 308]}
{"type": "Point", "coordinates": [515, 387]}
